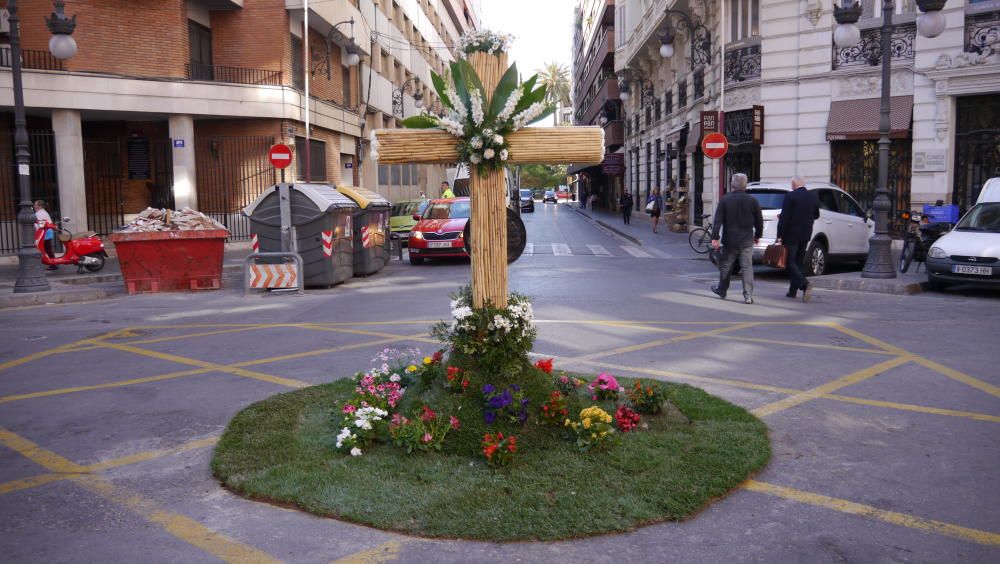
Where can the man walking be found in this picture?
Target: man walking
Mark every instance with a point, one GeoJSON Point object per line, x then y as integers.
{"type": "Point", "coordinates": [626, 204]}
{"type": "Point", "coordinates": [795, 226]}
{"type": "Point", "coordinates": [742, 223]}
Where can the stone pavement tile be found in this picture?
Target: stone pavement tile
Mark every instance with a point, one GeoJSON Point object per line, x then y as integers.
{"type": "Point", "coordinates": [893, 460]}
{"type": "Point", "coordinates": [915, 384]}
{"type": "Point", "coordinates": [97, 425]}
{"type": "Point", "coordinates": [62, 522]}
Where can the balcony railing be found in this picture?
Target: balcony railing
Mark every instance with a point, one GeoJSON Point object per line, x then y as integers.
{"type": "Point", "coordinates": [614, 133]}
{"type": "Point", "coordinates": [31, 59]}
{"type": "Point", "coordinates": [234, 75]}
{"type": "Point", "coordinates": [743, 64]}
{"type": "Point", "coordinates": [982, 31]}
{"type": "Point", "coordinates": [869, 51]}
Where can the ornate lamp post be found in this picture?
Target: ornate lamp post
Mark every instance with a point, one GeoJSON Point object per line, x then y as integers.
{"type": "Point", "coordinates": [30, 277]}
{"type": "Point", "coordinates": [410, 86]}
{"type": "Point", "coordinates": [701, 38]}
{"type": "Point", "coordinates": [930, 24]}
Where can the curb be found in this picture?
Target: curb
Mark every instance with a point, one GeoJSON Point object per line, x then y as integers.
{"type": "Point", "coordinates": [857, 284]}
{"type": "Point", "coordinates": [52, 297]}
{"type": "Point", "coordinates": [617, 231]}
{"type": "Point", "coordinates": [103, 278]}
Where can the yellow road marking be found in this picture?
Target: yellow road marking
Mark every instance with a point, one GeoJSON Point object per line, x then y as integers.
{"type": "Point", "coordinates": [876, 514]}
{"type": "Point", "coordinates": [385, 552]}
{"type": "Point", "coordinates": [867, 338]}
{"type": "Point", "coordinates": [289, 382]}
{"type": "Point", "coordinates": [32, 482]}
{"type": "Point", "coordinates": [914, 408]}
{"type": "Point", "coordinates": [68, 347]}
{"type": "Point", "coordinates": [44, 458]}
{"type": "Point", "coordinates": [842, 382]}
{"type": "Point", "coordinates": [118, 384]}
{"type": "Point", "coordinates": [958, 376]}
{"type": "Point", "coordinates": [318, 327]}
{"type": "Point", "coordinates": [317, 352]}
{"type": "Point", "coordinates": [152, 454]}
{"type": "Point", "coordinates": [651, 344]}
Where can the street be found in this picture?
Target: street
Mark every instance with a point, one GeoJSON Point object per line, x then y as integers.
{"type": "Point", "coordinates": [881, 408]}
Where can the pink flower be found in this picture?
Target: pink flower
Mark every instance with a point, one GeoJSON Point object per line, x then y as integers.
{"type": "Point", "coordinates": [455, 423]}
{"type": "Point", "coordinates": [427, 438]}
{"type": "Point", "coordinates": [348, 408]}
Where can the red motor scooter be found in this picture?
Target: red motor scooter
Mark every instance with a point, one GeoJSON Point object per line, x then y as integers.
{"type": "Point", "coordinates": [85, 250]}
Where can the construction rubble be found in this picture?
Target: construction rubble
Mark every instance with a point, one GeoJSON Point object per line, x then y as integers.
{"type": "Point", "coordinates": [155, 219]}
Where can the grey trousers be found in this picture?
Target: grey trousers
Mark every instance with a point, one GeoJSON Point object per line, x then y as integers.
{"type": "Point", "coordinates": [730, 255]}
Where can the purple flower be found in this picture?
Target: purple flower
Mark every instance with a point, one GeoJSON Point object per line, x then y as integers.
{"type": "Point", "coordinates": [488, 389]}
{"type": "Point", "coordinates": [489, 417]}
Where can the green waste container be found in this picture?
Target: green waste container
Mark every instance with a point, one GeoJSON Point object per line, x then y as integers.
{"type": "Point", "coordinates": [320, 228]}
{"type": "Point", "coordinates": [371, 230]}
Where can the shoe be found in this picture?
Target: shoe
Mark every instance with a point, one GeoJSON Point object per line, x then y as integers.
{"type": "Point", "coordinates": [747, 299]}
{"type": "Point", "coordinates": [807, 292]}
{"type": "Point", "coordinates": [790, 295]}
{"type": "Point", "coordinates": [717, 292]}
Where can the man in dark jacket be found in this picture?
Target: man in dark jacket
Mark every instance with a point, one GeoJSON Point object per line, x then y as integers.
{"type": "Point", "coordinates": [626, 206]}
{"type": "Point", "coordinates": [795, 226]}
{"type": "Point", "coordinates": [742, 224]}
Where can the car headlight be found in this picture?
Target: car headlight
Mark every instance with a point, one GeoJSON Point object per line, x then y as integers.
{"type": "Point", "coordinates": [417, 234]}
{"type": "Point", "coordinates": [937, 252]}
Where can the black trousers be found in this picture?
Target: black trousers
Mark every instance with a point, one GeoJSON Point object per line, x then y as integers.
{"type": "Point", "coordinates": [50, 248]}
{"type": "Point", "coordinates": [627, 215]}
{"type": "Point", "coordinates": [796, 256]}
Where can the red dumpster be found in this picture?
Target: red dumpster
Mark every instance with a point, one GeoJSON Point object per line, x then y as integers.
{"type": "Point", "coordinates": [163, 261]}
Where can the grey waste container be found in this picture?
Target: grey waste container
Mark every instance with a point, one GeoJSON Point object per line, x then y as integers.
{"type": "Point", "coordinates": [371, 230]}
{"type": "Point", "coordinates": [321, 229]}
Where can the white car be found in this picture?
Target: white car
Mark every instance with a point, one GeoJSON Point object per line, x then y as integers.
{"type": "Point", "coordinates": [970, 253]}
{"type": "Point", "coordinates": [840, 234]}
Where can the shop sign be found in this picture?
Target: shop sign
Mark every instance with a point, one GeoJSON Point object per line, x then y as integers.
{"type": "Point", "coordinates": [757, 134]}
{"type": "Point", "coordinates": [613, 164]}
{"type": "Point", "coordinates": [709, 122]}
{"type": "Point", "coordinates": [929, 161]}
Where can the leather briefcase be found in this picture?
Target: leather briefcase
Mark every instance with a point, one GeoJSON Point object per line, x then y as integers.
{"type": "Point", "coordinates": [775, 256]}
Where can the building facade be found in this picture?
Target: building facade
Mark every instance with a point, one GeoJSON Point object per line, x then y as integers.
{"type": "Point", "coordinates": [596, 100]}
{"type": "Point", "coordinates": [175, 102]}
{"type": "Point", "coordinates": [768, 74]}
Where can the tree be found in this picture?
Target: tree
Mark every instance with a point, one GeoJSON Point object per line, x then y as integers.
{"type": "Point", "coordinates": [555, 78]}
{"type": "Point", "coordinates": [542, 175]}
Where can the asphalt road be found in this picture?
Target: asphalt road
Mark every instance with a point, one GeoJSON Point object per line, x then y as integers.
{"type": "Point", "coordinates": [882, 409]}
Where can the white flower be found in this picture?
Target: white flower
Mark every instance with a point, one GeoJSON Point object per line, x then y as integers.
{"type": "Point", "coordinates": [394, 378]}
{"type": "Point", "coordinates": [461, 312]}
{"type": "Point", "coordinates": [498, 139]}
{"type": "Point", "coordinates": [477, 107]}
{"type": "Point", "coordinates": [504, 154]}
{"type": "Point", "coordinates": [476, 142]}
{"type": "Point", "coordinates": [355, 451]}
{"type": "Point", "coordinates": [474, 158]}
{"type": "Point", "coordinates": [362, 423]}
{"type": "Point", "coordinates": [488, 154]}
{"type": "Point", "coordinates": [511, 104]}
{"type": "Point", "coordinates": [528, 115]}
{"type": "Point", "coordinates": [487, 133]}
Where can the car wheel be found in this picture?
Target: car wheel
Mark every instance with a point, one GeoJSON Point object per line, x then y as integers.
{"type": "Point", "coordinates": [416, 260]}
{"type": "Point", "coordinates": [816, 259]}
{"type": "Point", "coordinates": [935, 285]}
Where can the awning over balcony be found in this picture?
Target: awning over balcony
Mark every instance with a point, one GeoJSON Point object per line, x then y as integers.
{"type": "Point", "coordinates": [858, 119]}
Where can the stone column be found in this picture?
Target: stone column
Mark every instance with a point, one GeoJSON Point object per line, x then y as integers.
{"type": "Point", "coordinates": [69, 168]}
{"type": "Point", "coordinates": [185, 181]}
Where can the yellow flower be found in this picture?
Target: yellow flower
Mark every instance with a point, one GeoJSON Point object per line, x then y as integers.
{"type": "Point", "coordinates": [428, 360]}
{"type": "Point", "coordinates": [586, 423]}
{"type": "Point", "coordinates": [411, 368]}
{"type": "Point", "coordinates": [593, 435]}
{"type": "Point", "coordinates": [566, 423]}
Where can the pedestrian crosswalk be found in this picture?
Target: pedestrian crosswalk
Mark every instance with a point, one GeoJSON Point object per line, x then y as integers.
{"type": "Point", "coordinates": [565, 250]}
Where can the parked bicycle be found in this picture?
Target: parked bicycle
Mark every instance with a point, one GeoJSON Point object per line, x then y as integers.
{"type": "Point", "coordinates": [920, 235]}
{"type": "Point", "coordinates": [700, 238]}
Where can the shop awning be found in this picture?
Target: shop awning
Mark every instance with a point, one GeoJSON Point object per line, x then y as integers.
{"type": "Point", "coordinates": [858, 119]}
{"type": "Point", "coordinates": [576, 169]}
{"type": "Point", "coordinates": [693, 139]}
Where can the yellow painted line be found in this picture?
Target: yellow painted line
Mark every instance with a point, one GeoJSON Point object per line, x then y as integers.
{"type": "Point", "coordinates": [914, 408]}
{"type": "Point", "coordinates": [118, 384]}
{"type": "Point", "coordinates": [958, 376]}
{"type": "Point", "coordinates": [317, 327]}
{"type": "Point", "coordinates": [32, 482]}
{"type": "Point", "coordinates": [68, 347]}
{"type": "Point", "coordinates": [152, 454]}
{"type": "Point", "coordinates": [868, 339]}
{"type": "Point", "coordinates": [192, 335]}
{"type": "Point", "coordinates": [842, 382]}
{"type": "Point", "coordinates": [385, 552]}
{"type": "Point", "coordinates": [289, 382]}
{"type": "Point", "coordinates": [40, 456]}
{"type": "Point", "coordinates": [876, 514]}
{"type": "Point", "coordinates": [317, 352]}
{"type": "Point", "coordinates": [660, 342]}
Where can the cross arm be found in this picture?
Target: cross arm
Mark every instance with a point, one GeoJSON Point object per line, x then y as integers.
{"type": "Point", "coordinates": [548, 145]}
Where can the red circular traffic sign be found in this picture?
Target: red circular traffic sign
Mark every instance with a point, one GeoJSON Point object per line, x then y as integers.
{"type": "Point", "coordinates": [280, 155]}
{"type": "Point", "coordinates": [714, 145]}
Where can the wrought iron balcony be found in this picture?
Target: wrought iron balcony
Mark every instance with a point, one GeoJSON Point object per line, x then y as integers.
{"type": "Point", "coordinates": [982, 32]}
{"type": "Point", "coordinates": [234, 75]}
{"type": "Point", "coordinates": [743, 64]}
{"type": "Point", "coordinates": [32, 59]}
{"type": "Point", "coordinates": [868, 52]}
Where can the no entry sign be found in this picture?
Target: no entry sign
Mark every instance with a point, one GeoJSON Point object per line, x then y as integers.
{"type": "Point", "coordinates": [280, 155]}
{"type": "Point", "coordinates": [714, 145]}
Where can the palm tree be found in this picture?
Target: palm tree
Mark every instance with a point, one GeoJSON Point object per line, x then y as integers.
{"type": "Point", "coordinates": [555, 77]}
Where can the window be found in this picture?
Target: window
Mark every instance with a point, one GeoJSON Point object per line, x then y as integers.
{"type": "Point", "coordinates": [827, 201]}
{"type": "Point", "coordinates": [848, 205]}
{"type": "Point", "coordinates": [200, 49]}
{"type": "Point", "coordinates": [298, 69]}
{"type": "Point", "coordinates": [744, 19]}
{"type": "Point", "coordinates": [345, 75]}
{"type": "Point", "coordinates": [317, 159]}
{"type": "Point", "coordinates": [383, 175]}
{"type": "Point", "coordinates": [451, 210]}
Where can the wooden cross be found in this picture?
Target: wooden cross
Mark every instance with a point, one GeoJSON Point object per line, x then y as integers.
{"type": "Point", "coordinates": [553, 145]}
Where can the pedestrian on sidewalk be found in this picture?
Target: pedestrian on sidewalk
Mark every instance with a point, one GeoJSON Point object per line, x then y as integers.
{"type": "Point", "coordinates": [795, 224]}
{"type": "Point", "coordinates": [626, 203]}
{"type": "Point", "coordinates": [657, 200]}
{"type": "Point", "coordinates": [42, 217]}
{"type": "Point", "coordinates": [742, 223]}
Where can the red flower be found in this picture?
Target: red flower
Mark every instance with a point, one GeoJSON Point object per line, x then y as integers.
{"type": "Point", "coordinates": [465, 384]}
{"type": "Point", "coordinates": [454, 422]}
{"type": "Point", "coordinates": [436, 357]}
{"type": "Point", "coordinates": [626, 419]}
{"type": "Point", "coordinates": [488, 450]}
{"type": "Point", "coordinates": [427, 414]}
{"type": "Point", "coordinates": [512, 444]}
{"type": "Point", "coordinates": [544, 365]}
{"type": "Point", "coordinates": [453, 372]}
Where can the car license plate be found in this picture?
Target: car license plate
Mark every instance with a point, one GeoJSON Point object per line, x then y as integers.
{"type": "Point", "coordinates": [964, 269]}
{"type": "Point", "coordinates": [438, 244]}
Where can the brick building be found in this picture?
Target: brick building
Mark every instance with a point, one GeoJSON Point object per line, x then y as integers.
{"type": "Point", "coordinates": [175, 102]}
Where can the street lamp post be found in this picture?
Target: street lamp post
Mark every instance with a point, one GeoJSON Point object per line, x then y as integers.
{"type": "Point", "coordinates": [406, 88]}
{"type": "Point", "coordinates": [30, 277]}
{"type": "Point", "coordinates": [879, 263]}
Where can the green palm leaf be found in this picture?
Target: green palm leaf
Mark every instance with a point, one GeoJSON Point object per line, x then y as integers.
{"type": "Point", "coordinates": [440, 88]}
{"type": "Point", "coordinates": [503, 91]}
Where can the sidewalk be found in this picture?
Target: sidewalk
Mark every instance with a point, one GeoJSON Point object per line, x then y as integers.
{"type": "Point", "coordinates": [640, 231]}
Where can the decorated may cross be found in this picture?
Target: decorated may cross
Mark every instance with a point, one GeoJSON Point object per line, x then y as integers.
{"type": "Point", "coordinates": [487, 111]}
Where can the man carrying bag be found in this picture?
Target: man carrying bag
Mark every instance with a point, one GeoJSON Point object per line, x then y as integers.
{"type": "Point", "coordinates": [742, 223]}
{"type": "Point", "coordinates": [795, 225]}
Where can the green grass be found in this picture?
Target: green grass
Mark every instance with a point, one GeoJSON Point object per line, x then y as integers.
{"type": "Point", "coordinates": [281, 450]}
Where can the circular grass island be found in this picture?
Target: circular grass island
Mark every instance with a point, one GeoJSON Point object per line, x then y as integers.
{"type": "Point", "coordinates": [673, 463]}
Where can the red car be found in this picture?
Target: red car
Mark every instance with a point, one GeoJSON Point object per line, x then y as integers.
{"type": "Point", "coordinates": [562, 194]}
{"type": "Point", "coordinates": [438, 232]}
